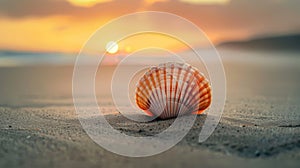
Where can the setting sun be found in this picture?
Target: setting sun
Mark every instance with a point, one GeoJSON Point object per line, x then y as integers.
{"type": "Point", "coordinates": [112, 47]}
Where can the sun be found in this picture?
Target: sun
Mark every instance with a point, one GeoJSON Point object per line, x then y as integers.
{"type": "Point", "coordinates": [112, 47]}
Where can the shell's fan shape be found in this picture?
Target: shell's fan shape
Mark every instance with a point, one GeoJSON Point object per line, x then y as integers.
{"type": "Point", "coordinates": [173, 89]}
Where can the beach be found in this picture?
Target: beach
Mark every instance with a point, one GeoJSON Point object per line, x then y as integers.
{"type": "Point", "coordinates": [260, 125]}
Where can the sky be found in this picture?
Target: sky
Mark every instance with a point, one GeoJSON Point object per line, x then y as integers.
{"type": "Point", "coordinates": [65, 25]}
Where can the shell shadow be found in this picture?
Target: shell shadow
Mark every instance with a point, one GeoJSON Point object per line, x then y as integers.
{"type": "Point", "coordinates": [134, 128]}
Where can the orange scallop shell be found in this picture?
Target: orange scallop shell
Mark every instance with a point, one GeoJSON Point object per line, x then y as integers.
{"type": "Point", "coordinates": [173, 89]}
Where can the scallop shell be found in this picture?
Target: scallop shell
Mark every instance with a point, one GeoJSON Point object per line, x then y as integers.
{"type": "Point", "coordinates": [173, 89]}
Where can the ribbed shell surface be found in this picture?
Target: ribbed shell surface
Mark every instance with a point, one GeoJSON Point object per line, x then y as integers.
{"type": "Point", "coordinates": [173, 89]}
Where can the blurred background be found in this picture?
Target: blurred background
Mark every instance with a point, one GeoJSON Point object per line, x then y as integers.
{"type": "Point", "coordinates": [53, 31]}
{"type": "Point", "coordinates": [257, 40]}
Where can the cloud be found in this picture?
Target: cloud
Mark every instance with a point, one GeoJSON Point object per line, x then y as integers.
{"type": "Point", "coordinates": [236, 18]}
{"type": "Point", "coordinates": [42, 8]}
{"type": "Point", "coordinates": [241, 18]}
{"type": "Point", "coordinates": [87, 3]}
{"type": "Point", "coordinates": [206, 1]}
{"type": "Point", "coordinates": [154, 1]}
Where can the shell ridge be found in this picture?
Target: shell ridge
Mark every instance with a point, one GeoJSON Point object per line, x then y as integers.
{"type": "Point", "coordinates": [155, 91]}
{"type": "Point", "coordinates": [141, 101]}
{"type": "Point", "coordinates": [171, 89]}
{"type": "Point", "coordinates": [162, 85]}
{"type": "Point", "coordinates": [195, 92]}
{"type": "Point", "coordinates": [165, 80]}
{"type": "Point", "coordinates": [159, 93]}
{"type": "Point", "coordinates": [153, 96]}
{"type": "Point", "coordinates": [145, 93]}
{"type": "Point", "coordinates": [177, 81]}
{"type": "Point", "coordinates": [204, 94]}
{"type": "Point", "coordinates": [185, 87]}
{"type": "Point", "coordinates": [189, 89]}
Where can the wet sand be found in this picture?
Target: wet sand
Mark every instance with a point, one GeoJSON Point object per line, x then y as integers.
{"type": "Point", "coordinates": [260, 125]}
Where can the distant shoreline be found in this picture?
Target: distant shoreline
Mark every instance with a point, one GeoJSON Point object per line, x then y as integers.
{"type": "Point", "coordinates": [278, 43]}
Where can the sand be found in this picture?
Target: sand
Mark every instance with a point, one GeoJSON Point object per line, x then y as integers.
{"type": "Point", "coordinates": [260, 126]}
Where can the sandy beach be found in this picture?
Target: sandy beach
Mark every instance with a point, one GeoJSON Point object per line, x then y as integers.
{"type": "Point", "coordinates": [260, 126]}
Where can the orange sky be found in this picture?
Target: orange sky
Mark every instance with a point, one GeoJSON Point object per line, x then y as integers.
{"type": "Point", "coordinates": [64, 25]}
